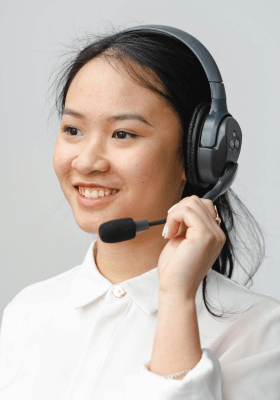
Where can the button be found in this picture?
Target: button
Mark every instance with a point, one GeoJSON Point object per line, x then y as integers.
{"type": "Point", "coordinates": [231, 144]}
{"type": "Point", "coordinates": [118, 291]}
{"type": "Point", "coordinates": [237, 143]}
{"type": "Point", "coordinates": [234, 134]}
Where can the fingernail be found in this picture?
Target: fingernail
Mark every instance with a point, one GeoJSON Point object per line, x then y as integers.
{"type": "Point", "coordinates": [163, 232]}
{"type": "Point", "coordinates": [166, 232]}
{"type": "Point", "coordinates": [171, 208]}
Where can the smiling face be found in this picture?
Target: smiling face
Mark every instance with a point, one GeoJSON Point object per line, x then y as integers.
{"type": "Point", "coordinates": [100, 148]}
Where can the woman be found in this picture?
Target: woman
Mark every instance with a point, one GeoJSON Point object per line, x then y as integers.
{"type": "Point", "coordinates": [135, 312]}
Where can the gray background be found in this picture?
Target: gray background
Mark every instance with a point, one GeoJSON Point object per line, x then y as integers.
{"type": "Point", "coordinates": [39, 236]}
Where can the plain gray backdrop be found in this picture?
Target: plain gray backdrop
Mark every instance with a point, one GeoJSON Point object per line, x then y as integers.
{"type": "Point", "coordinates": [39, 235]}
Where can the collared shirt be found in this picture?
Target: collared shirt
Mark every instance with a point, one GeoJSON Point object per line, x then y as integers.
{"type": "Point", "coordinates": [77, 336]}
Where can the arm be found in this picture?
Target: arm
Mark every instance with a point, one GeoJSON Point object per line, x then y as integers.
{"type": "Point", "coordinates": [176, 344]}
{"type": "Point", "coordinates": [182, 265]}
{"type": "Point", "coordinates": [195, 241]}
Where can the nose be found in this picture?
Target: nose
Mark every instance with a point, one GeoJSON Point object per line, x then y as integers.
{"type": "Point", "coordinates": [91, 157]}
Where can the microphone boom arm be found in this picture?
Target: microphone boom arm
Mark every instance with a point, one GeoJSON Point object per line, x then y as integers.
{"type": "Point", "coordinates": [122, 229]}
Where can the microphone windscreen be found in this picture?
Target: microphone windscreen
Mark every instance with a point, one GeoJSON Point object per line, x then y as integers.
{"type": "Point", "coordinates": [117, 230]}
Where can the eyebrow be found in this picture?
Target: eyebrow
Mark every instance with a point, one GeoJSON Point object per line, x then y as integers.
{"type": "Point", "coordinates": [118, 117]}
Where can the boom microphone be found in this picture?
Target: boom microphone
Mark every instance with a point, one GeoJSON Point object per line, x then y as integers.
{"type": "Point", "coordinates": [119, 230]}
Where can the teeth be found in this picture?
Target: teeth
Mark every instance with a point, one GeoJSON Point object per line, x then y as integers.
{"type": "Point", "coordinates": [97, 193]}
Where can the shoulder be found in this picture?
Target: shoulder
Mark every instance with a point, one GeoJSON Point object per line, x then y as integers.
{"type": "Point", "coordinates": [36, 302]}
{"type": "Point", "coordinates": [26, 315]}
{"type": "Point", "coordinates": [49, 290]}
{"type": "Point", "coordinates": [248, 322]}
{"type": "Point", "coordinates": [228, 294]}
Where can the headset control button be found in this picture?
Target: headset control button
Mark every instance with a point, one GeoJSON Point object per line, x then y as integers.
{"type": "Point", "coordinates": [237, 143]}
{"type": "Point", "coordinates": [231, 144]}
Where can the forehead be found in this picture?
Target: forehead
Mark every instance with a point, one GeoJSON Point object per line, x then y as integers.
{"type": "Point", "coordinates": [100, 88]}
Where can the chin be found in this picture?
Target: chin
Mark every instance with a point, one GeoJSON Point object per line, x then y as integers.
{"type": "Point", "coordinates": [86, 226]}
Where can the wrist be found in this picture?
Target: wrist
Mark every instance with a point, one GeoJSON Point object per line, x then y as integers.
{"type": "Point", "coordinates": [182, 297]}
{"type": "Point", "coordinates": [169, 302]}
{"type": "Point", "coordinates": [175, 350]}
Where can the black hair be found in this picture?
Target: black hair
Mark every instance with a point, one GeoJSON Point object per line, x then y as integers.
{"type": "Point", "coordinates": [170, 69]}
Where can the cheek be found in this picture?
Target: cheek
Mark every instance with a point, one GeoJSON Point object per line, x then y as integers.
{"type": "Point", "coordinates": [61, 160]}
{"type": "Point", "coordinates": [162, 168]}
{"type": "Point", "coordinates": [144, 167]}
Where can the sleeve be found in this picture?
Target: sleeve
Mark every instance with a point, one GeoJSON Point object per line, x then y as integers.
{"type": "Point", "coordinates": [201, 383]}
{"type": "Point", "coordinates": [249, 370]}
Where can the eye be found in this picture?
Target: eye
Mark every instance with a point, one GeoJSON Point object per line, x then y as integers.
{"type": "Point", "coordinates": [71, 129]}
{"type": "Point", "coordinates": [125, 133]}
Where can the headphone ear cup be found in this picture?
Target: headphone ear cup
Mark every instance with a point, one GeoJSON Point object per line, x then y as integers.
{"type": "Point", "coordinates": [191, 140]}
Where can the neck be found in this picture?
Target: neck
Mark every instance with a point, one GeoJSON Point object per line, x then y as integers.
{"type": "Point", "coordinates": [121, 261]}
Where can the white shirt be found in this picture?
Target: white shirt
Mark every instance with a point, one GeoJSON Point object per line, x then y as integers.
{"type": "Point", "coordinates": [77, 336]}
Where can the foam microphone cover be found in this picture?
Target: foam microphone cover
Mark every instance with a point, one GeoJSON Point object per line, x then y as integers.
{"type": "Point", "coordinates": [117, 230]}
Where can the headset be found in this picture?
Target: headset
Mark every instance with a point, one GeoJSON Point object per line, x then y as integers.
{"type": "Point", "coordinates": [212, 143]}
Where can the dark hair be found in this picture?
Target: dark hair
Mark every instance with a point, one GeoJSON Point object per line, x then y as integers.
{"type": "Point", "coordinates": [171, 70]}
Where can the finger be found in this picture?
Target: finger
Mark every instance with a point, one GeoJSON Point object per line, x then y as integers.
{"type": "Point", "coordinates": [212, 213]}
{"type": "Point", "coordinates": [216, 226]}
{"type": "Point", "coordinates": [197, 204]}
{"type": "Point", "coordinates": [208, 206]}
{"type": "Point", "coordinates": [195, 220]}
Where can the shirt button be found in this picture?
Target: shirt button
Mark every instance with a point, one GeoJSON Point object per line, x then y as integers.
{"type": "Point", "coordinates": [118, 291]}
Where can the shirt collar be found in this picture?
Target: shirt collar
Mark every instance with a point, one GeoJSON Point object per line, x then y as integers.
{"type": "Point", "coordinates": [88, 285]}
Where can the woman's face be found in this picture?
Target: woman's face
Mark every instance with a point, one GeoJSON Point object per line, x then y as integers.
{"type": "Point", "coordinates": [144, 167]}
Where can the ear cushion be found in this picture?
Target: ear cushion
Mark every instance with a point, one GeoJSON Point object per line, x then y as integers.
{"type": "Point", "coordinates": [192, 141]}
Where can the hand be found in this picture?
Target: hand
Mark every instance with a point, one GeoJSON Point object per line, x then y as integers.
{"type": "Point", "coordinates": [196, 241]}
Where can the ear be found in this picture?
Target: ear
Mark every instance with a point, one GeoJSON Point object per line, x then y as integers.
{"type": "Point", "coordinates": [184, 176]}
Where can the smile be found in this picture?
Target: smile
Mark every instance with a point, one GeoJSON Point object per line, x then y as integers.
{"type": "Point", "coordinates": [89, 202]}
{"type": "Point", "coordinates": [95, 193]}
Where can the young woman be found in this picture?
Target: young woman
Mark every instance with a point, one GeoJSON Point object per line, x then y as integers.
{"type": "Point", "coordinates": [135, 313]}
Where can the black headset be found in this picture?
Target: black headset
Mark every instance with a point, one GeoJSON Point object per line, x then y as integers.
{"type": "Point", "coordinates": [212, 143]}
{"type": "Point", "coordinates": [213, 140]}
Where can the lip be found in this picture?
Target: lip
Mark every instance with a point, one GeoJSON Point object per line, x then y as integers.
{"type": "Point", "coordinates": [90, 202]}
{"type": "Point", "coordinates": [92, 185]}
